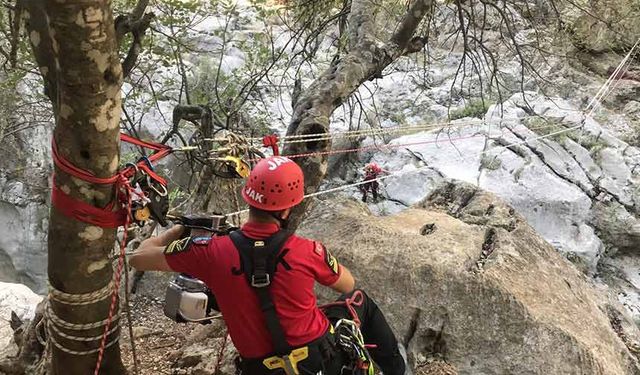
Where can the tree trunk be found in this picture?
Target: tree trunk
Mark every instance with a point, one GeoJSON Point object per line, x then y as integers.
{"type": "Point", "coordinates": [75, 46]}
{"type": "Point", "coordinates": [365, 60]}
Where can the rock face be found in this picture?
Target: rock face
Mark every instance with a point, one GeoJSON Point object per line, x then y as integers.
{"type": "Point", "coordinates": [479, 287]}
{"type": "Point", "coordinates": [578, 189]}
{"type": "Point", "coordinates": [604, 25]}
{"type": "Point", "coordinates": [20, 300]}
{"type": "Point", "coordinates": [25, 167]}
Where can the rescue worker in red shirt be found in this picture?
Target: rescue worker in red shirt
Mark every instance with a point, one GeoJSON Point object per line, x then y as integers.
{"type": "Point", "coordinates": [263, 280]}
{"type": "Point", "coordinates": [371, 173]}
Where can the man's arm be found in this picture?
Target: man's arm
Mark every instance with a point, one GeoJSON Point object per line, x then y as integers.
{"type": "Point", "coordinates": [346, 283]}
{"type": "Point", "coordinates": [150, 254]}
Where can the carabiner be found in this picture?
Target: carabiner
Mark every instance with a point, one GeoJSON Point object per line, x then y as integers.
{"type": "Point", "coordinates": [162, 193]}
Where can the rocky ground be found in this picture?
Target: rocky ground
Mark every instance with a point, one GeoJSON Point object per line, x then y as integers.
{"type": "Point", "coordinates": [166, 347]}
{"type": "Point", "coordinates": [157, 338]}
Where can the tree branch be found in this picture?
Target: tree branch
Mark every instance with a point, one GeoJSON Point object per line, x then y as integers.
{"type": "Point", "coordinates": [403, 37]}
{"type": "Point", "coordinates": [364, 60]}
{"type": "Point", "coordinates": [136, 23]}
{"type": "Point", "coordinates": [37, 24]}
{"type": "Point", "coordinates": [137, 29]}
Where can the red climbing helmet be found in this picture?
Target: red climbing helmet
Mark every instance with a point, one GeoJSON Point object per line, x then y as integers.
{"type": "Point", "coordinates": [373, 167]}
{"type": "Point", "coordinates": [275, 183]}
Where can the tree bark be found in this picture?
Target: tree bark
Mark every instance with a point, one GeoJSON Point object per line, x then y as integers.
{"type": "Point", "coordinates": [364, 61]}
{"type": "Point", "coordinates": [75, 46]}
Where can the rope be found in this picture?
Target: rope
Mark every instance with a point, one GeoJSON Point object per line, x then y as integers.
{"type": "Point", "coordinates": [591, 108]}
{"type": "Point", "coordinates": [356, 299]}
{"type": "Point", "coordinates": [51, 315]}
{"type": "Point", "coordinates": [79, 338]}
{"type": "Point", "coordinates": [134, 351]}
{"type": "Point", "coordinates": [81, 352]}
{"type": "Point", "coordinates": [605, 90]}
{"type": "Point", "coordinates": [223, 346]}
{"type": "Point", "coordinates": [314, 137]}
{"type": "Point", "coordinates": [80, 299]}
{"type": "Point", "coordinates": [374, 147]}
{"type": "Point", "coordinates": [117, 278]}
{"type": "Point", "coordinates": [369, 148]}
{"type": "Point", "coordinates": [52, 321]}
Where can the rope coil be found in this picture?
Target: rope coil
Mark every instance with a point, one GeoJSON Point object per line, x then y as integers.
{"type": "Point", "coordinates": [80, 299]}
{"type": "Point", "coordinates": [81, 338]}
{"type": "Point", "coordinates": [81, 352]}
{"type": "Point", "coordinates": [50, 314]}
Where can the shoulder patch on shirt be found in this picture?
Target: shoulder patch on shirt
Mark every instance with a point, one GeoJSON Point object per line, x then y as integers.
{"type": "Point", "coordinates": [178, 246]}
{"type": "Point", "coordinates": [331, 261]}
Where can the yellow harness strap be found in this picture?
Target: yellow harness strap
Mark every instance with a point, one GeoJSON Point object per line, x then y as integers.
{"type": "Point", "coordinates": [288, 362]}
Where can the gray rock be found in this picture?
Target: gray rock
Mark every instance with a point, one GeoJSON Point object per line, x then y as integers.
{"type": "Point", "coordinates": [482, 290]}
{"type": "Point", "coordinates": [20, 300]}
{"type": "Point", "coordinates": [200, 354]}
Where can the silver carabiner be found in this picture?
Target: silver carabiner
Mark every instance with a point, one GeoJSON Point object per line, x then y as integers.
{"type": "Point", "coordinates": [162, 193]}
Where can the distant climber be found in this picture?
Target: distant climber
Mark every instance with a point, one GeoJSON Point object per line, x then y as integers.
{"type": "Point", "coordinates": [371, 173]}
{"type": "Point", "coordinates": [263, 278]}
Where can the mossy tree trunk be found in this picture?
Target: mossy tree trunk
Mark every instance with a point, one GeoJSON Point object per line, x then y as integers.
{"type": "Point", "coordinates": [75, 46]}
{"type": "Point", "coordinates": [365, 60]}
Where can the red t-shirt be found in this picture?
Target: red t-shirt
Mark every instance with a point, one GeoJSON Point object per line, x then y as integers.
{"type": "Point", "coordinates": [303, 262]}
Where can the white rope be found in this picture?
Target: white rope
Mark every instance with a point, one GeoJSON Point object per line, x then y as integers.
{"type": "Point", "coordinates": [81, 299]}
{"type": "Point", "coordinates": [401, 173]}
{"type": "Point", "coordinates": [50, 314]}
{"type": "Point", "coordinates": [314, 137]}
{"type": "Point", "coordinates": [80, 338]}
{"type": "Point", "coordinates": [81, 352]}
{"type": "Point", "coordinates": [605, 90]}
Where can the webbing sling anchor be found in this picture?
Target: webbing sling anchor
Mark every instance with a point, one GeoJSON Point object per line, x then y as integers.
{"type": "Point", "coordinates": [289, 363]}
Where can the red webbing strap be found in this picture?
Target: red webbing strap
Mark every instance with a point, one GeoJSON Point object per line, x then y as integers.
{"type": "Point", "coordinates": [74, 171]}
{"type": "Point", "coordinates": [271, 141]}
{"type": "Point", "coordinates": [103, 217]}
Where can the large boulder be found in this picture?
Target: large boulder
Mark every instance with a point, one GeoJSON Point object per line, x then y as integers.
{"type": "Point", "coordinates": [463, 277]}
{"type": "Point", "coordinates": [17, 304]}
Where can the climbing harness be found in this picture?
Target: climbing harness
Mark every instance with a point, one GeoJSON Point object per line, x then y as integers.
{"type": "Point", "coordinates": [258, 259]}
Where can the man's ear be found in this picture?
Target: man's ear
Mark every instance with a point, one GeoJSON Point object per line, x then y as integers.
{"type": "Point", "coordinates": [285, 214]}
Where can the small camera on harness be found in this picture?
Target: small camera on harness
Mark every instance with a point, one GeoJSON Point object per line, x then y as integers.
{"type": "Point", "coordinates": [188, 300]}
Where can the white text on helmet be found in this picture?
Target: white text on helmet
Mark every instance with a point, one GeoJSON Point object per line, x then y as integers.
{"type": "Point", "coordinates": [254, 195]}
{"type": "Point", "coordinates": [277, 161]}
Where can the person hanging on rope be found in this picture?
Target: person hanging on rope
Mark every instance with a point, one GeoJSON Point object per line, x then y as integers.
{"type": "Point", "coordinates": [371, 173]}
{"type": "Point", "coordinates": [263, 278]}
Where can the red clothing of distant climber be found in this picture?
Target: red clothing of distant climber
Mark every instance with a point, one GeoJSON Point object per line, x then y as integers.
{"type": "Point", "coordinates": [303, 262]}
{"type": "Point", "coordinates": [371, 172]}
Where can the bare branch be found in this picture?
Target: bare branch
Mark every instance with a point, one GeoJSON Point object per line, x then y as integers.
{"type": "Point", "coordinates": [135, 23]}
